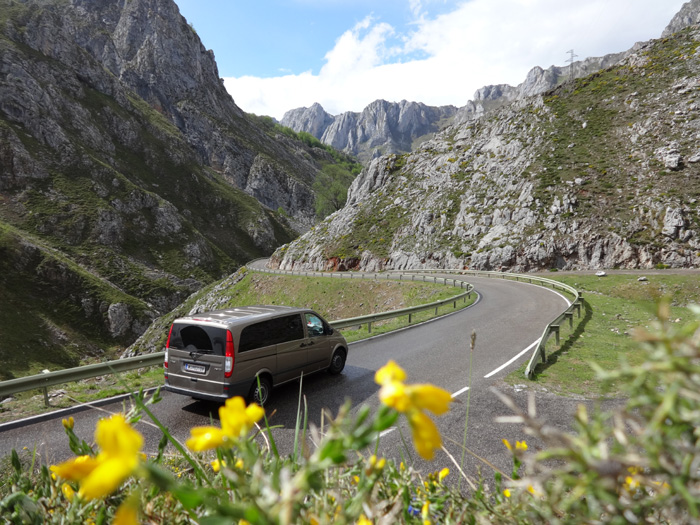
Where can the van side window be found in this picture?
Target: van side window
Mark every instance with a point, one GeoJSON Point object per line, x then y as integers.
{"type": "Point", "coordinates": [274, 331]}
{"type": "Point", "coordinates": [314, 325]}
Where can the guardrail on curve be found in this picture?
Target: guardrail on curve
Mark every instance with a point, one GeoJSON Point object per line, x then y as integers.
{"type": "Point", "coordinates": [45, 380]}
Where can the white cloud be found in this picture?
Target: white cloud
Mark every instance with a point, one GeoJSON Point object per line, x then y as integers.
{"type": "Point", "coordinates": [480, 42]}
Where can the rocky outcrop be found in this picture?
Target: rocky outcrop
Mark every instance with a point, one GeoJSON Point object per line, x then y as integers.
{"type": "Point", "coordinates": [382, 127]}
{"type": "Point", "coordinates": [689, 15]}
{"type": "Point", "coordinates": [538, 81]}
{"type": "Point", "coordinates": [124, 158]}
{"type": "Point", "coordinates": [592, 174]}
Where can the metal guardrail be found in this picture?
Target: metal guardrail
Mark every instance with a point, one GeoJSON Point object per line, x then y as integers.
{"type": "Point", "coordinates": [392, 314]}
{"type": "Point", "coordinates": [38, 381]}
{"type": "Point", "coordinates": [45, 380]}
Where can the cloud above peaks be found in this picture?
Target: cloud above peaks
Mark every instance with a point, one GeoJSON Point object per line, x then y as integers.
{"type": "Point", "coordinates": [442, 59]}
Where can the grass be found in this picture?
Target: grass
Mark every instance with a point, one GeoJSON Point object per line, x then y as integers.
{"type": "Point", "coordinates": [615, 306]}
{"type": "Point", "coordinates": [332, 298]}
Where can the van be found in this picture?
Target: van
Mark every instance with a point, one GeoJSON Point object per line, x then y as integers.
{"type": "Point", "coordinates": [245, 351]}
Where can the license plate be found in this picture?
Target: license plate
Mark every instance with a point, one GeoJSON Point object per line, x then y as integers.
{"type": "Point", "coordinates": [199, 369]}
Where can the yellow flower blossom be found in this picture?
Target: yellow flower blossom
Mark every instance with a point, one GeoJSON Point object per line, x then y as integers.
{"type": "Point", "coordinates": [363, 520]}
{"type": "Point", "coordinates": [506, 493]}
{"type": "Point", "coordinates": [412, 400]}
{"type": "Point", "coordinates": [119, 455]}
{"type": "Point", "coordinates": [443, 474]}
{"type": "Point", "coordinates": [426, 437]}
{"type": "Point", "coordinates": [68, 423]}
{"type": "Point", "coordinates": [389, 373]}
{"type": "Point", "coordinates": [631, 483]}
{"type": "Point", "coordinates": [127, 513]}
{"type": "Point", "coordinates": [236, 421]}
{"type": "Point", "coordinates": [68, 491]}
{"type": "Point", "coordinates": [217, 465]}
{"type": "Point", "coordinates": [507, 444]}
{"type": "Point", "coordinates": [520, 445]}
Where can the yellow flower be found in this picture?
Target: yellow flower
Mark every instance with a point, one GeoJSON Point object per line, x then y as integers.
{"type": "Point", "coordinates": [127, 513]}
{"type": "Point", "coordinates": [443, 473]}
{"type": "Point", "coordinates": [521, 445]}
{"type": "Point", "coordinates": [68, 423]}
{"type": "Point", "coordinates": [631, 483]}
{"type": "Point", "coordinates": [507, 444]}
{"type": "Point", "coordinates": [68, 491]}
{"type": "Point", "coordinates": [363, 520]}
{"type": "Point", "coordinates": [236, 421]}
{"type": "Point", "coordinates": [412, 400]}
{"type": "Point", "coordinates": [506, 493]}
{"type": "Point", "coordinates": [426, 437]}
{"type": "Point", "coordinates": [389, 372]}
{"type": "Point", "coordinates": [119, 455]}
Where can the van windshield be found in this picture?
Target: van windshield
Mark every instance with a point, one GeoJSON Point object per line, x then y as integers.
{"type": "Point", "coordinates": [197, 338]}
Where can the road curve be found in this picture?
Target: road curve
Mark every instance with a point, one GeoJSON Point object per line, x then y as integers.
{"type": "Point", "coordinates": [508, 318]}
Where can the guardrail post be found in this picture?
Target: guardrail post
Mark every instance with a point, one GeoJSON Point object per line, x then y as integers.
{"type": "Point", "coordinates": [410, 317]}
{"type": "Point", "coordinates": [46, 390]}
{"type": "Point", "coordinates": [369, 327]}
{"type": "Point", "coordinates": [555, 329]}
{"type": "Point", "coordinates": [577, 307]}
{"type": "Point", "coordinates": [570, 317]}
{"type": "Point", "coordinates": [436, 310]}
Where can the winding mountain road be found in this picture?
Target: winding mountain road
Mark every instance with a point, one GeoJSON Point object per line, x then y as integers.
{"type": "Point", "coordinates": [508, 318]}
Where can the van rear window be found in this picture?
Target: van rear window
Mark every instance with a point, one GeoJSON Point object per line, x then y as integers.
{"type": "Point", "coordinates": [272, 332]}
{"type": "Point", "coordinates": [193, 338]}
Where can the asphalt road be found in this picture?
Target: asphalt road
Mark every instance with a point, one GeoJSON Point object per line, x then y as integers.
{"type": "Point", "coordinates": [508, 318]}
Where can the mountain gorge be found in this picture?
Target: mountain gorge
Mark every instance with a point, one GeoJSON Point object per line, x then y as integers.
{"type": "Point", "coordinates": [598, 172]}
{"type": "Point", "coordinates": [129, 178]}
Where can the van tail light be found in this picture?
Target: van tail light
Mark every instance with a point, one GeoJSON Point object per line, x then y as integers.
{"type": "Point", "coordinates": [228, 360]}
{"type": "Point", "coordinates": [167, 346]}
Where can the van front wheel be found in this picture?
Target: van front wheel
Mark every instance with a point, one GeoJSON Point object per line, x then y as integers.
{"type": "Point", "coordinates": [337, 362]}
{"type": "Point", "coordinates": [260, 393]}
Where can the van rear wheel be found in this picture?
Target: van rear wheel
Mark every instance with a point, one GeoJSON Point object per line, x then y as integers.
{"type": "Point", "coordinates": [260, 393]}
{"type": "Point", "coordinates": [337, 362]}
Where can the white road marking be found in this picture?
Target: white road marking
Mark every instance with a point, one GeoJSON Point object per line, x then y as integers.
{"type": "Point", "coordinates": [512, 360]}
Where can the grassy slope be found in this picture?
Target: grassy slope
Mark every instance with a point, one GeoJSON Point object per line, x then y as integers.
{"type": "Point", "coordinates": [615, 306]}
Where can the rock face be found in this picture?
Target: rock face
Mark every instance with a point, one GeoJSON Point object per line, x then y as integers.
{"type": "Point", "coordinates": [128, 176]}
{"type": "Point", "coordinates": [688, 15]}
{"type": "Point", "coordinates": [382, 127]}
{"type": "Point", "coordinates": [591, 174]}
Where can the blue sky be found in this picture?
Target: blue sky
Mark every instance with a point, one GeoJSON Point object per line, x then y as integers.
{"type": "Point", "coordinates": [277, 55]}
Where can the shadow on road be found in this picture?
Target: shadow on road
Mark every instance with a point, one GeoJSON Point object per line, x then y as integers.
{"type": "Point", "coordinates": [321, 391]}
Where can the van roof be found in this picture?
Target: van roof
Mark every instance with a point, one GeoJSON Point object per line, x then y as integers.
{"type": "Point", "coordinates": [239, 314]}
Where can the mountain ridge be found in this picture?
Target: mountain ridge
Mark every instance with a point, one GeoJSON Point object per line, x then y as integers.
{"type": "Point", "coordinates": [601, 172]}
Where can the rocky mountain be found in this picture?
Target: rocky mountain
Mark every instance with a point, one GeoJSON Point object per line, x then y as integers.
{"type": "Point", "coordinates": [600, 172]}
{"type": "Point", "coordinates": [381, 128]}
{"type": "Point", "coordinates": [129, 178]}
{"type": "Point", "coordinates": [689, 15]}
{"type": "Point", "coordinates": [388, 127]}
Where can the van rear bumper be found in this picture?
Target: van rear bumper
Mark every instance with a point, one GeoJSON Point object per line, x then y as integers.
{"type": "Point", "coordinates": [242, 390]}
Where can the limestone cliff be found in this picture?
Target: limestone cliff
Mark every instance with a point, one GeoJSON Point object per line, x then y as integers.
{"type": "Point", "coordinates": [601, 172]}
{"type": "Point", "coordinates": [382, 127]}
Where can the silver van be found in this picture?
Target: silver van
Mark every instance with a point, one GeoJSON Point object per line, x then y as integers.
{"type": "Point", "coordinates": [245, 351]}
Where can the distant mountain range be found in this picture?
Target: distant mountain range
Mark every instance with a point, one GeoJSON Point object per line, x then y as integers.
{"type": "Point", "coordinates": [399, 127]}
{"type": "Point", "coordinates": [598, 172]}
